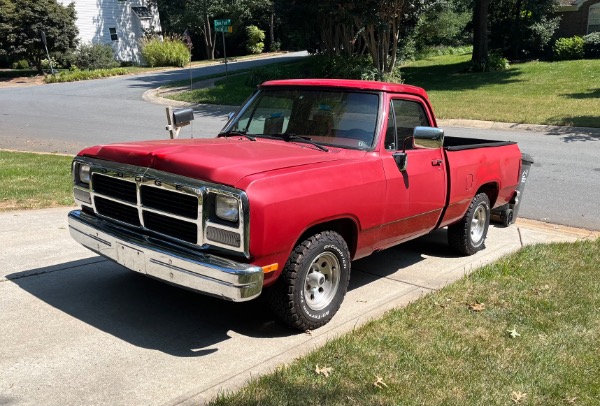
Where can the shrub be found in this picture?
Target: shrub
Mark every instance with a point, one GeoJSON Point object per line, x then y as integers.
{"type": "Point", "coordinates": [21, 64]}
{"type": "Point", "coordinates": [167, 51]}
{"type": "Point", "coordinates": [275, 46]}
{"type": "Point", "coordinates": [256, 36]}
{"type": "Point", "coordinates": [494, 63]}
{"type": "Point", "coordinates": [76, 75]}
{"type": "Point", "coordinates": [47, 64]}
{"type": "Point", "coordinates": [568, 48]}
{"type": "Point", "coordinates": [591, 45]}
{"type": "Point", "coordinates": [97, 56]}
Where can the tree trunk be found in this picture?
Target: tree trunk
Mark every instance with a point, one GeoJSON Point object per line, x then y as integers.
{"type": "Point", "coordinates": [272, 30]}
{"type": "Point", "coordinates": [480, 31]}
{"type": "Point", "coordinates": [209, 43]}
{"type": "Point", "coordinates": [516, 43]}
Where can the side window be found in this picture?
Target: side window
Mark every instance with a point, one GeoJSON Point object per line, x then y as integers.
{"type": "Point", "coordinates": [408, 114]}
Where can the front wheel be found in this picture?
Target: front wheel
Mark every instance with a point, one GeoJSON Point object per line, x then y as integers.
{"type": "Point", "coordinates": [313, 283]}
{"type": "Point", "coordinates": [468, 235]}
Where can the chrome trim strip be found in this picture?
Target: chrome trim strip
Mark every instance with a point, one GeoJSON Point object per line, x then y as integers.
{"type": "Point", "coordinates": [204, 273]}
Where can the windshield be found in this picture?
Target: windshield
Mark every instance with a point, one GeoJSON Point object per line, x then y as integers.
{"type": "Point", "coordinates": [329, 117]}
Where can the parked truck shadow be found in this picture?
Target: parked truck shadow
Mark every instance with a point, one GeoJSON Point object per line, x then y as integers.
{"type": "Point", "coordinates": [384, 264]}
{"type": "Point", "coordinates": [145, 312]}
{"type": "Point", "coordinates": [154, 315]}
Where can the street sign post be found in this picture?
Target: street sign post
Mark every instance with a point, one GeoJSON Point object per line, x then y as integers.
{"type": "Point", "coordinates": [223, 26]}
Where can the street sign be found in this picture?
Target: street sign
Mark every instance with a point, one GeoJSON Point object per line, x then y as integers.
{"type": "Point", "coordinates": [224, 28]}
{"type": "Point", "coordinates": [221, 23]}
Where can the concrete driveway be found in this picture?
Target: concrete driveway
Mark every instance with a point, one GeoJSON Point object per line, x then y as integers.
{"type": "Point", "coordinates": [77, 329]}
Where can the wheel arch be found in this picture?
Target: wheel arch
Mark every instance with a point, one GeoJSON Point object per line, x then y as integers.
{"type": "Point", "coordinates": [346, 227]}
{"type": "Point", "coordinates": [491, 189]}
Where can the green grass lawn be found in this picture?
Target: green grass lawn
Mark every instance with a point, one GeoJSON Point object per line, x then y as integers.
{"type": "Point", "coordinates": [33, 181]}
{"type": "Point", "coordinates": [454, 347]}
{"type": "Point", "coordinates": [556, 93]}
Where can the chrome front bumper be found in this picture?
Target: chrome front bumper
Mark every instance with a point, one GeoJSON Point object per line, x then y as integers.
{"type": "Point", "coordinates": [204, 273]}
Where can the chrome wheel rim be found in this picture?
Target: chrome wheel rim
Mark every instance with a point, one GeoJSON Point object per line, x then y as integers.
{"type": "Point", "coordinates": [322, 281]}
{"type": "Point", "coordinates": [478, 224]}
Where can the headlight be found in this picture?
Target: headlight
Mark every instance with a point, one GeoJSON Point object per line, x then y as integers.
{"type": "Point", "coordinates": [227, 208]}
{"type": "Point", "coordinates": [84, 173]}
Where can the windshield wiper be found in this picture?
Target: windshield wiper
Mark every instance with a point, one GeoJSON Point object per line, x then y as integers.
{"type": "Point", "coordinates": [287, 137]}
{"type": "Point", "coordinates": [236, 132]}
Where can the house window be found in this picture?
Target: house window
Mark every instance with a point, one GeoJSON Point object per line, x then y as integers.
{"type": "Point", "coordinates": [594, 18]}
{"type": "Point", "coordinates": [113, 34]}
{"type": "Point", "coordinates": [143, 13]}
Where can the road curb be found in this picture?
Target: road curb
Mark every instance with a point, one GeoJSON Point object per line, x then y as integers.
{"type": "Point", "coordinates": [496, 125]}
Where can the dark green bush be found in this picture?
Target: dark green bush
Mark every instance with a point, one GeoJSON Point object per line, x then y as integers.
{"type": "Point", "coordinates": [568, 48]}
{"type": "Point", "coordinates": [494, 63]}
{"type": "Point", "coordinates": [255, 43]}
{"type": "Point", "coordinates": [21, 64]}
{"type": "Point", "coordinates": [591, 45]}
{"type": "Point", "coordinates": [97, 56]}
{"type": "Point", "coordinates": [167, 51]}
{"type": "Point", "coordinates": [76, 75]}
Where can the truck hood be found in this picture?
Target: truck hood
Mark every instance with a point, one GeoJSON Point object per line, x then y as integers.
{"type": "Point", "coordinates": [220, 160]}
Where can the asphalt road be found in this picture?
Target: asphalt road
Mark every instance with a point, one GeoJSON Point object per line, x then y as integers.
{"type": "Point", "coordinates": [66, 117]}
{"type": "Point", "coordinates": [563, 188]}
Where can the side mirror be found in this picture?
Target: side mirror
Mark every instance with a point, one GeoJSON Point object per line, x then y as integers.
{"type": "Point", "coordinates": [428, 137]}
{"type": "Point", "coordinates": [401, 160]}
{"type": "Point", "coordinates": [230, 115]}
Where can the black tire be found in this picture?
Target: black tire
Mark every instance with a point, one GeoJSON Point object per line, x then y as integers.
{"type": "Point", "coordinates": [468, 235]}
{"type": "Point", "coordinates": [307, 302]}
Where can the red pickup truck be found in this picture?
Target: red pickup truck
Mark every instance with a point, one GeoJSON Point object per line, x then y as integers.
{"type": "Point", "coordinates": [308, 176]}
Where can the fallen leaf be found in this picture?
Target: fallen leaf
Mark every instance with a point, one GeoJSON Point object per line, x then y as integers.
{"type": "Point", "coordinates": [513, 333]}
{"type": "Point", "coordinates": [323, 371]}
{"type": "Point", "coordinates": [477, 307]}
{"type": "Point", "coordinates": [379, 383]}
{"type": "Point", "coordinates": [570, 400]}
{"type": "Point", "coordinates": [518, 397]}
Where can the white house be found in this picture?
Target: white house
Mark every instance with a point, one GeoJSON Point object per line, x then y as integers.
{"type": "Point", "coordinates": [120, 23]}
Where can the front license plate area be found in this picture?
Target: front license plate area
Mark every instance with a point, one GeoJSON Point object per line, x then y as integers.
{"type": "Point", "coordinates": [131, 258]}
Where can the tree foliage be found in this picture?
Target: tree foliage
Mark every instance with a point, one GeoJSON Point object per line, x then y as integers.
{"type": "Point", "coordinates": [521, 28]}
{"type": "Point", "coordinates": [368, 27]}
{"type": "Point", "coordinates": [22, 22]}
{"type": "Point", "coordinates": [197, 16]}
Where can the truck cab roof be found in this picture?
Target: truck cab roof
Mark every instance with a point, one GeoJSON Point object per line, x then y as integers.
{"type": "Point", "coordinates": [349, 84]}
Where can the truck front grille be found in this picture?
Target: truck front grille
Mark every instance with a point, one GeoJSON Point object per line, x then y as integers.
{"type": "Point", "coordinates": [182, 230]}
{"type": "Point", "coordinates": [115, 187]}
{"type": "Point", "coordinates": [163, 205]}
{"type": "Point", "coordinates": [180, 204]}
{"type": "Point", "coordinates": [118, 211]}
{"type": "Point", "coordinates": [172, 213]}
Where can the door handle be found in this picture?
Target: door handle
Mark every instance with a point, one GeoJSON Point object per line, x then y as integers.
{"type": "Point", "coordinates": [436, 162]}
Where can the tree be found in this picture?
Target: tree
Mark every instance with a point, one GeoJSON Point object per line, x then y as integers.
{"type": "Point", "coordinates": [368, 27]}
{"type": "Point", "coordinates": [521, 28]}
{"type": "Point", "coordinates": [198, 17]}
{"type": "Point", "coordinates": [480, 32]}
{"type": "Point", "coordinates": [22, 22]}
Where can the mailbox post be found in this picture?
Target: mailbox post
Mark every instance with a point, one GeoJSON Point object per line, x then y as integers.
{"type": "Point", "coordinates": [177, 119]}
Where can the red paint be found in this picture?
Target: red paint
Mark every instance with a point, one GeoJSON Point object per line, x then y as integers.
{"type": "Point", "coordinates": [293, 187]}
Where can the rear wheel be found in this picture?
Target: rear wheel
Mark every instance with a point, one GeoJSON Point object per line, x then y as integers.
{"type": "Point", "coordinates": [313, 283]}
{"type": "Point", "coordinates": [468, 235]}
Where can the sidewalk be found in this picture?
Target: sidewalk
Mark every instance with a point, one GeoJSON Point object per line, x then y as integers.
{"type": "Point", "coordinates": [77, 329]}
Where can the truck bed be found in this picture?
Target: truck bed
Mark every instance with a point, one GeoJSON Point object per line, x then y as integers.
{"type": "Point", "coordinates": [459, 143]}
